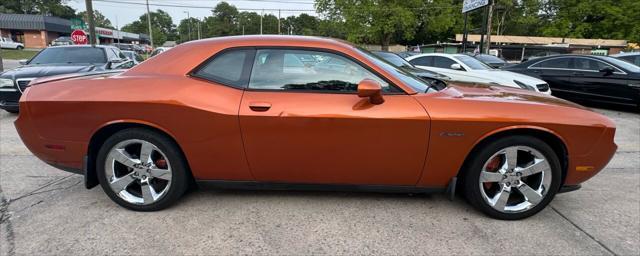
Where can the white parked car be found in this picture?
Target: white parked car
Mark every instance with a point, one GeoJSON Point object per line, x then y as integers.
{"type": "Point", "coordinates": [464, 68]}
{"type": "Point", "coordinates": [7, 43]}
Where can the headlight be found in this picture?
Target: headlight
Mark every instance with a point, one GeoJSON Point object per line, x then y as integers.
{"type": "Point", "coordinates": [6, 82]}
{"type": "Point", "coordinates": [524, 86]}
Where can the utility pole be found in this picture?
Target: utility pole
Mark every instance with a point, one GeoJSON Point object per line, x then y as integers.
{"type": "Point", "coordinates": [489, 19]}
{"type": "Point", "coordinates": [279, 22]}
{"type": "Point", "coordinates": [188, 23]}
{"type": "Point", "coordinates": [117, 29]}
{"type": "Point", "coordinates": [464, 34]}
{"type": "Point", "coordinates": [92, 25]}
{"type": "Point", "coordinates": [149, 21]}
{"type": "Point", "coordinates": [262, 14]}
{"type": "Point", "coordinates": [198, 29]}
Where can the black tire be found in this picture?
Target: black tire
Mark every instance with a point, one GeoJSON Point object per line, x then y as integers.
{"type": "Point", "coordinates": [12, 111]}
{"type": "Point", "coordinates": [473, 168]}
{"type": "Point", "coordinates": [179, 171]}
{"type": "Point", "coordinates": [19, 48]}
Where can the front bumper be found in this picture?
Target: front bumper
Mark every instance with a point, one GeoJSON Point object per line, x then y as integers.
{"type": "Point", "coordinates": [9, 100]}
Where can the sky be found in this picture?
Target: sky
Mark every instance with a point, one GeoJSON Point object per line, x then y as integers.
{"type": "Point", "coordinates": [120, 13]}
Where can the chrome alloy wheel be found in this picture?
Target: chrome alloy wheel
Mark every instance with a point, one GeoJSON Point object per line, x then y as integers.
{"type": "Point", "coordinates": [138, 171]}
{"type": "Point", "coordinates": [515, 179]}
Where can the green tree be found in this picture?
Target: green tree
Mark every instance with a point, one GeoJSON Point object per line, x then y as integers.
{"type": "Point", "coordinates": [161, 25]}
{"type": "Point", "coordinates": [222, 22]}
{"type": "Point", "coordinates": [610, 19]}
{"type": "Point", "coordinates": [373, 20]}
{"type": "Point", "coordinates": [188, 29]}
{"type": "Point", "coordinates": [99, 18]}
{"type": "Point", "coordinates": [45, 7]}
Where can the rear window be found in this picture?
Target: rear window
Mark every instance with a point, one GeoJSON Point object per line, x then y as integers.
{"type": "Point", "coordinates": [227, 68]}
{"type": "Point", "coordinates": [69, 55]}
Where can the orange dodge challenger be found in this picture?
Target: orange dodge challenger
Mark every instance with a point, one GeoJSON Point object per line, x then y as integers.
{"type": "Point", "coordinates": [286, 112]}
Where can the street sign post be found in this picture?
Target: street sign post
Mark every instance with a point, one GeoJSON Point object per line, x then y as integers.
{"type": "Point", "coordinates": [470, 5]}
{"type": "Point", "coordinates": [467, 6]}
{"type": "Point", "coordinates": [78, 24]}
{"type": "Point", "coordinates": [79, 37]}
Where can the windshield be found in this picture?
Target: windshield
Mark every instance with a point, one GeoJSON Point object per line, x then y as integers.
{"type": "Point", "coordinates": [393, 59]}
{"type": "Point", "coordinates": [70, 55]}
{"type": "Point", "coordinates": [472, 62]}
{"type": "Point", "coordinates": [623, 64]}
{"type": "Point", "coordinates": [414, 82]}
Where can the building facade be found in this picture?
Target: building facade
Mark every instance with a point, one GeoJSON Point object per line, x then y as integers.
{"type": "Point", "coordinates": [37, 31]}
{"type": "Point", "coordinates": [34, 31]}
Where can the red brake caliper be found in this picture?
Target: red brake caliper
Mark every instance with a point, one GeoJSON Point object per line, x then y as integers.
{"type": "Point", "coordinates": [492, 166]}
{"type": "Point", "coordinates": [161, 163]}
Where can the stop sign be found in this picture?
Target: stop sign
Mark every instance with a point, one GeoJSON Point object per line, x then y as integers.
{"type": "Point", "coordinates": [79, 37]}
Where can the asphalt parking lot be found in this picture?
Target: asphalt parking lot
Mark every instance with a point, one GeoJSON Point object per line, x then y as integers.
{"type": "Point", "coordinates": [47, 211]}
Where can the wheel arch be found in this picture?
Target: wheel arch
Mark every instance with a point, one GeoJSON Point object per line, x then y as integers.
{"type": "Point", "coordinates": [554, 140]}
{"type": "Point", "coordinates": [100, 135]}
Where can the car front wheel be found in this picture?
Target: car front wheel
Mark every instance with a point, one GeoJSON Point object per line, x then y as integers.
{"type": "Point", "coordinates": [141, 170]}
{"type": "Point", "coordinates": [513, 177]}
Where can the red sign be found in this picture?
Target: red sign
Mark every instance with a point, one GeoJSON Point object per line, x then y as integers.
{"type": "Point", "coordinates": [79, 37]}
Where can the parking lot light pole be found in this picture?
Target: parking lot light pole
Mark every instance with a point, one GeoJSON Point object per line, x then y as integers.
{"type": "Point", "coordinates": [188, 23]}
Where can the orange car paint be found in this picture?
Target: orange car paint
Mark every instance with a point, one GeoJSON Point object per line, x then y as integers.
{"type": "Point", "coordinates": [410, 139]}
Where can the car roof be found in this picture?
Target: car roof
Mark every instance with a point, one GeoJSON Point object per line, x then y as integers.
{"type": "Point", "coordinates": [83, 46]}
{"type": "Point", "coordinates": [437, 54]}
{"type": "Point", "coordinates": [626, 54]}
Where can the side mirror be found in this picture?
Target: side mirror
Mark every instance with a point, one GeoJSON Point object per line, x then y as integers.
{"type": "Point", "coordinates": [23, 61]}
{"type": "Point", "coordinates": [371, 89]}
{"type": "Point", "coordinates": [607, 70]}
{"type": "Point", "coordinates": [456, 66]}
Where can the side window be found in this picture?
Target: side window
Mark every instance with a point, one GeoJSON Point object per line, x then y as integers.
{"type": "Point", "coordinates": [278, 69]}
{"type": "Point", "coordinates": [110, 54]}
{"type": "Point", "coordinates": [632, 59]}
{"type": "Point", "coordinates": [230, 68]}
{"type": "Point", "coordinates": [554, 63]}
{"type": "Point", "coordinates": [589, 64]}
{"type": "Point", "coordinates": [120, 54]}
{"type": "Point", "coordinates": [422, 61]}
{"type": "Point", "coordinates": [442, 62]}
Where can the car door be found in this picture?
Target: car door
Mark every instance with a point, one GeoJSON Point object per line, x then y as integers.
{"type": "Point", "coordinates": [441, 65]}
{"type": "Point", "coordinates": [595, 85]}
{"type": "Point", "coordinates": [557, 73]}
{"type": "Point", "coordinates": [311, 127]}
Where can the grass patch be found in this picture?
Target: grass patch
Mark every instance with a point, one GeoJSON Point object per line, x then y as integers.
{"type": "Point", "coordinates": [17, 54]}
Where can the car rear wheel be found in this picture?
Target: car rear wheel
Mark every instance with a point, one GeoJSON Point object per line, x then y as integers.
{"type": "Point", "coordinates": [512, 178]}
{"type": "Point", "coordinates": [141, 170]}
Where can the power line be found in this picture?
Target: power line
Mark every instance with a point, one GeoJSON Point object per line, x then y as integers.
{"type": "Point", "coordinates": [201, 7]}
{"type": "Point", "coordinates": [267, 9]}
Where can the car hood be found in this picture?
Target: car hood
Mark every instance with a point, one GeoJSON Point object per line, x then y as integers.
{"type": "Point", "coordinates": [484, 92]}
{"type": "Point", "coordinates": [35, 71]}
{"type": "Point", "coordinates": [508, 76]}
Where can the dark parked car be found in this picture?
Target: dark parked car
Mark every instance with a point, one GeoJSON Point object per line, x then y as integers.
{"type": "Point", "coordinates": [493, 61]}
{"type": "Point", "coordinates": [435, 79]}
{"type": "Point", "coordinates": [57, 60]}
{"type": "Point", "coordinates": [633, 57]}
{"type": "Point", "coordinates": [589, 78]}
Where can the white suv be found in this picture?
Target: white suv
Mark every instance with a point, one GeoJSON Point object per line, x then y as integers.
{"type": "Point", "coordinates": [10, 44]}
